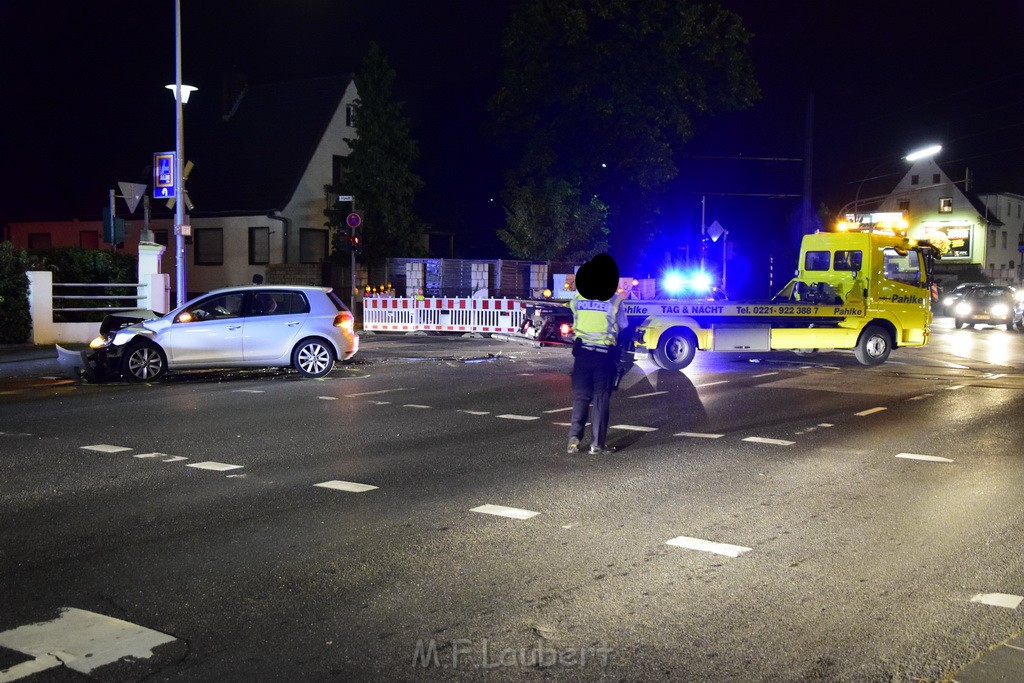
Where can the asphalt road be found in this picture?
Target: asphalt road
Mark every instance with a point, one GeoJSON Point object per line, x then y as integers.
{"type": "Point", "coordinates": [844, 523]}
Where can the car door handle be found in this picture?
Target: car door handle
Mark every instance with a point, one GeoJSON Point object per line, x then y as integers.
{"type": "Point", "coordinates": [234, 327]}
{"type": "Point", "coordinates": [293, 324]}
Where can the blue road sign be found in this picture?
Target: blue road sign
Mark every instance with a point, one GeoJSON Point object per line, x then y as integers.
{"type": "Point", "coordinates": [163, 175]}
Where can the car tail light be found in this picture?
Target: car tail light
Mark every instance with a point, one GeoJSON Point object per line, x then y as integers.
{"type": "Point", "coordinates": [345, 321]}
{"type": "Point", "coordinates": [565, 329]}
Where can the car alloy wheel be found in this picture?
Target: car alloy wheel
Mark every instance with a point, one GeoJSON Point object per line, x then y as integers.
{"type": "Point", "coordinates": [313, 358]}
{"type": "Point", "coordinates": [143, 362]}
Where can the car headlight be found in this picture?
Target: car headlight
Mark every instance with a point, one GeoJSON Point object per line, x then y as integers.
{"type": "Point", "coordinates": [99, 342]}
{"type": "Point", "coordinates": [1000, 310]}
{"type": "Point", "coordinates": [948, 301]}
{"type": "Point", "coordinates": [963, 308]}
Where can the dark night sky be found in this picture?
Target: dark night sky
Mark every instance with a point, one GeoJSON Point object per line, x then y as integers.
{"type": "Point", "coordinates": [84, 104]}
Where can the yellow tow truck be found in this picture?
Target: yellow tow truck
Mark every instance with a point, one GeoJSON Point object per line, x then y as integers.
{"type": "Point", "coordinates": [866, 287]}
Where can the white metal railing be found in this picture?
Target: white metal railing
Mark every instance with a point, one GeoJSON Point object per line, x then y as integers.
{"type": "Point", "coordinates": [151, 293]}
{"type": "Point", "coordinates": [137, 286]}
{"type": "Point", "coordinates": [441, 315]}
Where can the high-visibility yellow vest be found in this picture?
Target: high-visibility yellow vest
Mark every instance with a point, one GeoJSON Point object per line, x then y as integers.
{"type": "Point", "coordinates": [595, 322]}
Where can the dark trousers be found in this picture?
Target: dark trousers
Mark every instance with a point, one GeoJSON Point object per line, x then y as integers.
{"type": "Point", "coordinates": [592, 377]}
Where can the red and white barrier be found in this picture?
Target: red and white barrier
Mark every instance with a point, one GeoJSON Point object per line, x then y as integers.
{"type": "Point", "coordinates": [441, 315]}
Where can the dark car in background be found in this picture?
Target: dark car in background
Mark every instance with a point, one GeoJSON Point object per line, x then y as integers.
{"type": "Point", "coordinates": [990, 305]}
{"type": "Point", "coordinates": [955, 295]}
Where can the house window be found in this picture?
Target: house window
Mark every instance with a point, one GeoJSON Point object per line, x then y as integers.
{"type": "Point", "coordinates": [914, 179]}
{"type": "Point", "coordinates": [259, 246]}
{"type": "Point", "coordinates": [39, 240]}
{"type": "Point", "coordinates": [946, 205]}
{"type": "Point", "coordinates": [936, 178]}
{"type": "Point", "coordinates": [312, 245]}
{"type": "Point", "coordinates": [1012, 264]}
{"type": "Point", "coordinates": [337, 170]}
{"type": "Point", "coordinates": [905, 206]}
{"type": "Point", "coordinates": [992, 237]}
{"type": "Point", "coordinates": [350, 116]}
{"type": "Point", "coordinates": [88, 239]}
{"type": "Point", "coordinates": [1004, 239]}
{"type": "Point", "coordinates": [209, 246]}
{"type": "Point", "coordinates": [160, 237]}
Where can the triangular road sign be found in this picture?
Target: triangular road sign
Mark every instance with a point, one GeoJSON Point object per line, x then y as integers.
{"type": "Point", "coordinates": [131, 193]}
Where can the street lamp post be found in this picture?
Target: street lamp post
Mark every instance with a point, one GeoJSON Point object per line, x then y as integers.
{"type": "Point", "coordinates": [179, 151]}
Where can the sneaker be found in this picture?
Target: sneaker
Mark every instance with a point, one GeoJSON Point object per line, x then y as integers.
{"type": "Point", "coordinates": [602, 450]}
{"type": "Point", "coordinates": [574, 445]}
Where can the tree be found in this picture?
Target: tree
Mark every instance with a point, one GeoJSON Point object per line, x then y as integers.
{"type": "Point", "coordinates": [547, 221]}
{"type": "Point", "coordinates": [610, 90]}
{"type": "Point", "coordinates": [378, 172]}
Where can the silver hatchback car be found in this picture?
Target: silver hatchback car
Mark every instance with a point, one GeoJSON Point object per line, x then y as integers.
{"type": "Point", "coordinates": [306, 328]}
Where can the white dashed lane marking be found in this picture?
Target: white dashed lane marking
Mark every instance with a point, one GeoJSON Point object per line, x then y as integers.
{"type": "Point", "coordinates": [474, 412]}
{"type": "Point", "coordinates": [106, 448]}
{"type": "Point", "coordinates": [766, 374]}
{"type": "Point", "coordinates": [249, 391]}
{"type": "Point", "coordinates": [327, 398]}
{"type": "Point", "coordinates": [700, 435]}
{"type": "Point", "coordinates": [653, 393]}
{"type": "Point", "coordinates": [870, 411]}
{"type": "Point", "coordinates": [998, 599]}
{"type": "Point", "coordinates": [374, 393]}
{"type": "Point", "coordinates": [773, 442]}
{"type": "Point", "coordinates": [350, 486]}
{"type": "Point", "coordinates": [708, 546]}
{"type": "Point", "coordinates": [955, 387]}
{"type": "Point", "coordinates": [414, 405]}
{"type": "Point", "coordinates": [926, 458]}
{"type": "Point", "coordinates": [634, 428]}
{"type": "Point", "coordinates": [518, 417]}
{"type": "Point", "coordinates": [563, 410]}
{"type": "Point", "coordinates": [711, 384]}
{"type": "Point", "coordinates": [215, 466]}
{"type": "Point", "coordinates": [169, 458]}
{"type": "Point", "coordinates": [502, 511]}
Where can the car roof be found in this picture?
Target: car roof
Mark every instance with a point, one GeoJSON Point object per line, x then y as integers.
{"type": "Point", "coordinates": [265, 287]}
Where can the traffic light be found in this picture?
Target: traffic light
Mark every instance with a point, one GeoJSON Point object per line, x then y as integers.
{"type": "Point", "coordinates": [355, 242]}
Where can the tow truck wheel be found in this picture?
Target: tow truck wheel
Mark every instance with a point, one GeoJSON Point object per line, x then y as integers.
{"type": "Point", "coordinates": [143, 362]}
{"type": "Point", "coordinates": [874, 346]}
{"type": "Point", "coordinates": [958, 323]}
{"type": "Point", "coordinates": [675, 349]}
{"type": "Point", "coordinates": [806, 353]}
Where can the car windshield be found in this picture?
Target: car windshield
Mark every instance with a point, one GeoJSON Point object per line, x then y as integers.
{"type": "Point", "coordinates": [989, 294]}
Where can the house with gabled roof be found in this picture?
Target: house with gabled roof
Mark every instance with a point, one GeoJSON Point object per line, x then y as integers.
{"type": "Point", "coordinates": [948, 213]}
{"type": "Point", "coordinates": [259, 181]}
{"type": "Point", "coordinates": [257, 184]}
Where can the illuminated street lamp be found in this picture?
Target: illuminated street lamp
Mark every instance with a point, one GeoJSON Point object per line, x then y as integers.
{"type": "Point", "coordinates": [186, 90]}
{"type": "Point", "coordinates": [923, 152]}
{"type": "Point", "coordinates": [916, 155]}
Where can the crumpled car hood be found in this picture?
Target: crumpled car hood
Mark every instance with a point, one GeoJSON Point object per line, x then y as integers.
{"type": "Point", "coordinates": [115, 321]}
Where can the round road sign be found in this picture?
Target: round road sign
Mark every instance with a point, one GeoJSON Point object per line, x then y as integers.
{"type": "Point", "coordinates": [353, 220]}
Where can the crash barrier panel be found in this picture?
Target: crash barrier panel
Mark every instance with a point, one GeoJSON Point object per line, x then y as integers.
{"type": "Point", "coordinates": [441, 315]}
{"type": "Point", "coordinates": [45, 300]}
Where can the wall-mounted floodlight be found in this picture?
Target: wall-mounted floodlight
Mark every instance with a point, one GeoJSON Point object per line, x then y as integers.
{"type": "Point", "coordinates": [919, 154]}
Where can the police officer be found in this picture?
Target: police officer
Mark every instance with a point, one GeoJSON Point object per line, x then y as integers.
{"type": "Point", "coordinates": [598, 318]}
